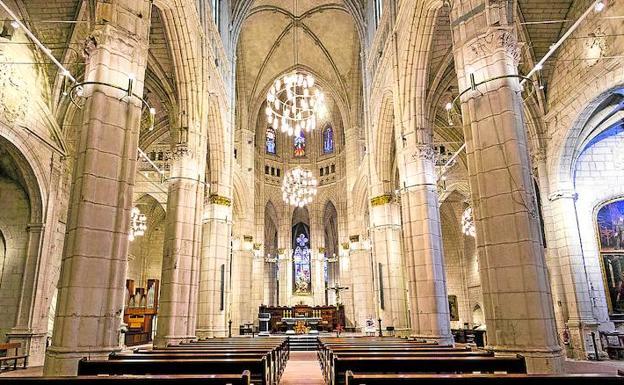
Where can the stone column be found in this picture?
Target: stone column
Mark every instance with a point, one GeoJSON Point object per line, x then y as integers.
{"type": "Point", "coordinates": [387, 250]}
{"type": "Point", "coordinates": [242, 309]}
{"type": "Point", "coordinates": [286, 280]}
{"type": "Point", "coordinates": [567, 242]}
{"type": "Point", "coordinates": [516, 292]}
{"type": "Point", "coordinates": [30, 330]}
{"type": "Point", "coordinates": [550, 249]}
{"type": "Point", "coordinates": [362, 286]}
{"type": "Point", "coordinates": [93, 273]}
{"type": "Point", "coordinates": [424, 260]}
{"type": "Point", "coordinates": [345, 280]}
{"type": "Point", "coordinates": [177, 315]}
{"type": "Point", "coordinates": [214, 278]}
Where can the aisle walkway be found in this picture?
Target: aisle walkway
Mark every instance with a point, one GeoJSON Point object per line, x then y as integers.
{"type": "Point", "coordinates": [302, 369]}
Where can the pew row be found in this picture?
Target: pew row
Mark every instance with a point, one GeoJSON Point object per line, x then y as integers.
{"type": "Point", "coordinates": [429, 365]}
{"type": "Point", "coordinates": [214, 379]}
{"type": "Point", "coordinates": [352, 378]}
{"type": "Point", "coordinates": [257, 368]}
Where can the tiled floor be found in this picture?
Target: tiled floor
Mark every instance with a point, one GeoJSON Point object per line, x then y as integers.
{"type": "Point", "coordinates": [302, 369]}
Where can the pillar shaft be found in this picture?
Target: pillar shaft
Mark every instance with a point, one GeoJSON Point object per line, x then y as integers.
{"type": "Point", "coordinates": [516, 292]}
{"type": "Point", "coordinates": [362, 286]}
{"type": "Point", "coordinates": [580, 318]}
{"type": "Point", "coordinates": [92, 282]}
{"type": "Point", "coordinates": [429, 309]}
{"type": "Point", "coordinates": [180, 270]}
{"type": "Point", "coordinates": [387, 251]}
{"type": "Point", "coordinates": [215, 269]}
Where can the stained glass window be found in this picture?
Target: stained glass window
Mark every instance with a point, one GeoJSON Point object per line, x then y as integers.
{"type": "Point", "coordinates": [299, 149]}
{"type": "Point", "coordinates": [328, 140]}
{"type": "Point", "coordinates": [301, 262]}
{"type": "Point", "coordinates": [271, 144]}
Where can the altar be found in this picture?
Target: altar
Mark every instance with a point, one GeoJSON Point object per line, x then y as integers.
{"type": "Point", "coordinates": [302, 325]}
{"type": "Point", "coordinates": [301, 319]}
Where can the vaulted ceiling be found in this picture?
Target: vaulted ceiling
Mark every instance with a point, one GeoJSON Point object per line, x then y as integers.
{"type": "Point", "coordinates": [278, 35]}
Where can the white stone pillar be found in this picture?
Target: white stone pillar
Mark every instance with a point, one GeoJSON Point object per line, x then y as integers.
{"type": "Point", "coordinates": [516, 292]}
{"type": "Point", "coordinates": [215, 269]}
{"type": "Point", "coordinates": [387, 250]}
{"type": "Point", "coordinates": [30, 331]}
{"type": "Point", "coordinates": [242, 310]}
{"type": "Point", "coordinates": [92, 282]}
{"type": "Point", "coordinates": [362, 287]}
{"type": "Point", "coordinates": [575, 286]}
{"type": "Point", "coordinates": [177, 314]}
{"type": "Point", "coordinates": [424, 260]}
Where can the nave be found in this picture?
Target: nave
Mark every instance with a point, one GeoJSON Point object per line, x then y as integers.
{"type": "Point", "coordinates": [201, 187]}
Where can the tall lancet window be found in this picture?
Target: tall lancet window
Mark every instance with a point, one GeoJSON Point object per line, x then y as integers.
{"type": "Point", "coordinates": [302, 277]}
{"type": "Point", "coordinates": [328, 140]}
{"type": "Point", "coordinates": [299, 145]}
{"type": "Point", "coordinates": [271, 141]}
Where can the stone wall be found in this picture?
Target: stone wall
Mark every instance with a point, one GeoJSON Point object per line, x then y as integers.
{"type": "Point", "coordinates": [600, 161]}
{"type": "Point", "coordinates": [14, 214]}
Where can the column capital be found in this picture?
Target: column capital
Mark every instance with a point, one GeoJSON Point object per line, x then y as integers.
{"type": "Point", "coordinates": [538, 156]}
{"type": "Point", "coordinates": [219, 200]}
{"type": "Point", "coordinates": [563, 194]}
{"type": "Point", "coordinates": [423, 152]}
{"type": "Point", "coordinates": [381, 200]}
{"type": "Point", "coordinates": [493, 40]}
{"type": "Point", "coordinates": [180, 151]}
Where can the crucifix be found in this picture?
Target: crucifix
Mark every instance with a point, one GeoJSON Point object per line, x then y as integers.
{"type": "Point", "coordinates": [337, 289]}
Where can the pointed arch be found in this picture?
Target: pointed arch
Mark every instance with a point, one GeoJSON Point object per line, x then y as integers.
{"type": "Point", "coordinates": [385, 147]}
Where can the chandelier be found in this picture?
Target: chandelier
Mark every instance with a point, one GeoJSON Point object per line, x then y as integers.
{"type": "Point", "coordinates": [138, 224]}
{"type": "Point", "coordinates": [298, 187]}
{"type": "Point", "coordinates": [467, 221]}
{"type": "Point", "coordinates": [293, 103]}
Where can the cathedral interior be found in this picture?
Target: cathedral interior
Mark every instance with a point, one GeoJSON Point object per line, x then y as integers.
{"type": "Point", "coordinates": [190, 171]}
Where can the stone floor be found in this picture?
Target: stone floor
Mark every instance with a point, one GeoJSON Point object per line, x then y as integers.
{"type": "Point", "coordinates": [303, 369]}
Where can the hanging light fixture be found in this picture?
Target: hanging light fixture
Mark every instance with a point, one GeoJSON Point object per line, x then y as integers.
{"type": "Point", "coordinates": [299, 187]}
{"type": "Point", "coordinates": [293, 101]}
{"type": "Point", "coordinates": [138, 224]}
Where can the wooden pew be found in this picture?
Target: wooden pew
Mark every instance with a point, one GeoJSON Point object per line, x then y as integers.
{"type": "Point", "coordinates": [11, 360]}
{"type": "Point", "coordinates": [326, 354]}
{"type": "Point", "coordinates": [480, 379]}
{"type": "Point", "coordinates": [213, 379]}
{"type": "Point", "coordinates": [278, 349]}
{"type": "Point", "coordinates": [400, 365]}
{"type": "Point", "coordinates": [326, 369]}
{"type": "Point", "coordinates": [257, 367]}
{"type": "Point", "coordinates": [273, 368]}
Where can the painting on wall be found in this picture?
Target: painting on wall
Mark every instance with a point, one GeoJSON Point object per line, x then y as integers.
{"type": "Point", "coordinates": [453, 308]}
{"type": "Point", "coordinates": [610, 224]}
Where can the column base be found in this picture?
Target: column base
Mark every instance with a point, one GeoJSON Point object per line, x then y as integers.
{"type": "Point", "coordinates": [537, 361]}
{"type": "Point", "coordinates": [33, 344]}
{"type": "Point", "coordinates": [440, 340]}
{"type": "Point", "coordinates": [163, 342]}
{"type": "Point", "coordinates": [212, 333]}
{"type": "Point", "coordinates": [61, 362]}
{"type": "Point", "coordinates": [581, 345]}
